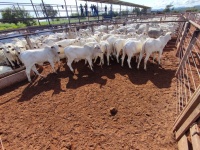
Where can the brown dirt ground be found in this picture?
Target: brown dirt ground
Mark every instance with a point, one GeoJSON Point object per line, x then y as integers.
{"type": "Point", "coordinates": [66, 111]}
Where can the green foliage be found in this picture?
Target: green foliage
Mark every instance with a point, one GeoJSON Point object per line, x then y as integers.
{"type": "Point", "coordinates": [193, 9]}
{"type": "Point", "coordinates": [12, 15]}
{"type": "Point", "coordinates": [48, 10]}
{"type": "Point", "coordinates": [168, 8]}
{"type": "Point", "coordinates": [136, 10]}
{"type": "Point", "coordinates": [6, 26]}
{"type": "Point", "coordinates": [144, 10]}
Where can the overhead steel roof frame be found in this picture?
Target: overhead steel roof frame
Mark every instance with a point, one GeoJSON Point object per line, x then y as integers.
{"type": "Point", "coordinates": [118, 2]}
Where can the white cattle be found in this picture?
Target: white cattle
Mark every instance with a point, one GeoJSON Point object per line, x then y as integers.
{"type": "Point", "coordinates": [81, 52]}
{"type": "Point", "coordinates": [106, 49]}
{"type": "Point", "coordinates": [155, 33]}
{"type": "Point", "coordinates": [153, 45]}
{"type": "Point", "coordinates": [10, 55]}
{"type": "Point", "coordinates": [132, 48]}
{"type": "Point", "coordinates": [31, 57]}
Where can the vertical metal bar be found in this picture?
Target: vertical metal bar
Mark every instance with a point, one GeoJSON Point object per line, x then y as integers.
{"type": "Point", "coordinates": [192, 75]}
{"type": "Point", "coordinates": [181, 90]}
{"type": "Point", "coordinates": [67, 12]}
{"type": "Point", "coordinates": [97, 11]}
{"type": "Point", "coordinates": [77, 11]}
{"type": "Point", "coordinates": [87, 11]}
{"type": "Point", "coordinates": [177, 96]}
{"type": "Point", "coordinates": [23, 15]}
{"type": "Point", "coordinates": [120, 11]}
{"type": "Point", "coordinates": [46, 13]}
{"type": "Point", "coordinates": [188, 80]}
{"type": "Point", "coordinates": [186, 98]}
{"type": "Point", "coordinates": [179, 101]}
{"type": "Point", "coordinates": [35, 12]}
{"type": "Point", "coordinates": [58, 10]}
{"type": "Point", "coordinates": [71, 9]}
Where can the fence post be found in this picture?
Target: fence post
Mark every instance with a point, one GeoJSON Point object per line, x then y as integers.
{"type": "Point", "coordinates": [29, 42]}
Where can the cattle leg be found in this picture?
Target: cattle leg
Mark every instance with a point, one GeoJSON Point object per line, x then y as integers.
{"type": "Point", "coordinates": [117, 56]}
{"type": "Point", "coordinates": [28, 70]}
{"type": "Point", "coordinates": [129, 61]}
{"type": "Point", "coordinates": [108, 59]}
{"type": "Point", "coordinates": [90, 63]}
{"type": "Point", "coordinates": [35, 70]}
{"type": "Point", "coordinates": [12, 63]}
{"type": "Point", "coordinates": [69, 63]}
{"type": "Point", "coordinates": [145, 61]}
{"type": "Point", "coordinates": [52, 66]}
{"type": "Point", "coordinates": [137, 57]}
{"type": "Point", "coordinates": [123, 56]}
{"type": "Point", "coordinates": [140, 58]}
{"type": "Point", "coordinates": [159, 57]}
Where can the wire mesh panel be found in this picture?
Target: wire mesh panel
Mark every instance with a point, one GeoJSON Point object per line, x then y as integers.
{"type": "Point", "coordinates": [188, 76]}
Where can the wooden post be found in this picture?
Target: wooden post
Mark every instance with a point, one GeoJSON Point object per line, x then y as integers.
{"type": "Point", "coordinates": [29, 42]}
{"type": "Point", "coordinates": [195, 137]}
{"type": "Point", "coordinates": [183, 143]}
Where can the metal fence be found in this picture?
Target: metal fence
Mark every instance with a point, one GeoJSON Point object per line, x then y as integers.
{"type": "Point", "coordinates": [188, 83]}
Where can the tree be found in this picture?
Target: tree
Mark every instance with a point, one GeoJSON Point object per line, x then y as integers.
{"type": "Point", "coordinates": [167, 8]}
{"type": "Point", "coordinates": [136, 10]}
{"type": "Point", "coordinates": [48, 10]}
{"type": "Point", "coordinates": [16, 15]}
{"type": "Point", "coordinates": [144, 10]}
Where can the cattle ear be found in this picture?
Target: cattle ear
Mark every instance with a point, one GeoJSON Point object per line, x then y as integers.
{"type": "Point", "coordinates": [59, 45]}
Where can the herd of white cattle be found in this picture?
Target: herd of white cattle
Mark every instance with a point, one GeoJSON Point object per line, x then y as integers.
{"type": "Point", "coordinates": [132, 40]}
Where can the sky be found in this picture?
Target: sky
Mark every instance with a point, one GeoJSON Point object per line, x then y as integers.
{"type": "Point", "coordinates": [155, 4]}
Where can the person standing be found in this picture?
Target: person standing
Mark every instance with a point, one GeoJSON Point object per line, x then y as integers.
{"type": "Point", "coordinates": [95, 10]}
{"type": "Point", "coordinates": [86, 11]}
{"type": "Point", "coordinates": [91, 7]}
{"type": "Point", "coordinates": [105, 9]}
{"type": "Point", "coordinates": [81, 8]}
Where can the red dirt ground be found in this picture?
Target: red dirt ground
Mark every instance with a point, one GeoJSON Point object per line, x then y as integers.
{"type": "Point", "coordinates": [67, 111]}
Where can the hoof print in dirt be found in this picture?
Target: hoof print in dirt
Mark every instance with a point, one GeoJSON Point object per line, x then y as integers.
{"type": "Point", "coordinates": [113, 111]}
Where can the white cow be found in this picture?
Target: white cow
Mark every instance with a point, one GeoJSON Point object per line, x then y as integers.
{"type": "Point", "coordinates": [31, 57]}
{"type": "Point", "coordinates": [153, 45]}
{"type": "Point", "coordinates": [10, 55]}
{"type": "Point", "coordinates": [81, 52]}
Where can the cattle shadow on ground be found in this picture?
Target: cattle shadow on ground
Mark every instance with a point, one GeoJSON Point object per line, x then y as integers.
{"type": "Point", "coordinates": [50, 82]}
{"type": "Point", "coordinates": [159, 76]}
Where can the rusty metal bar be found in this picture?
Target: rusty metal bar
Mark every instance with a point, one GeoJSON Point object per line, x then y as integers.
{"type": "Point", "coordinates": [191, 74]}
{"type": "Point", "coordinates": [188, 79]}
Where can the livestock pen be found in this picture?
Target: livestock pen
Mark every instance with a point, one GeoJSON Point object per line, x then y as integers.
{"type": "Point", "coordinates": [72, 111]}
